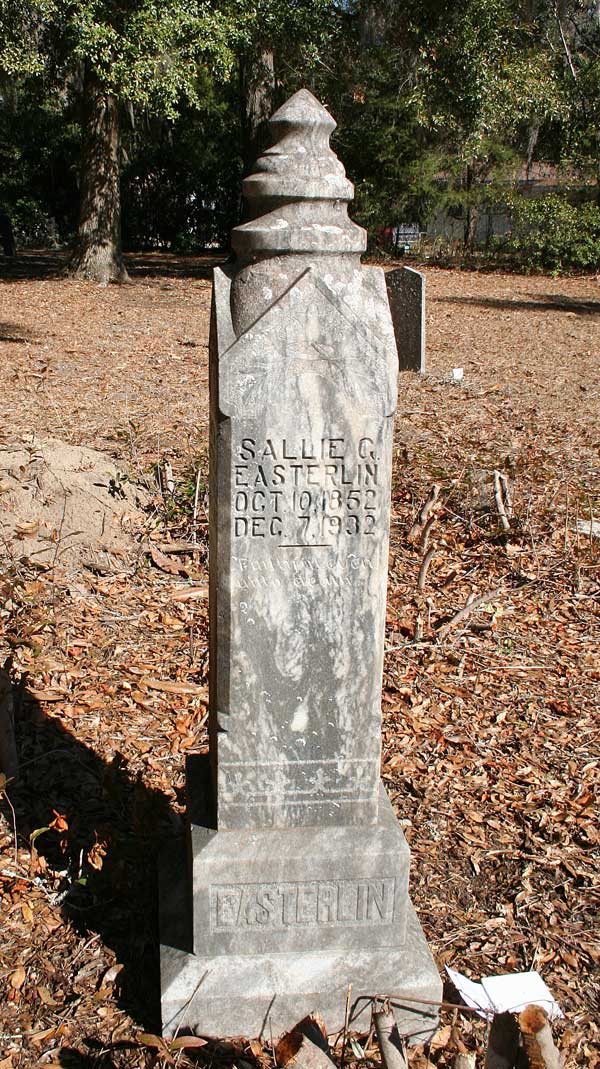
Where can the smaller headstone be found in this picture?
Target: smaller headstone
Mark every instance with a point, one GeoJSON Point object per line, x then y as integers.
{"type": "Point", "coordinates": [406, 294]}
{"type": "Point", "coordinates": [406, 234]}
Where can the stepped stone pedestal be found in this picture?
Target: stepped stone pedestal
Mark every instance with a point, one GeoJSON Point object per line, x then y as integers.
{"type": "Point", "coordinates": [294, 882]}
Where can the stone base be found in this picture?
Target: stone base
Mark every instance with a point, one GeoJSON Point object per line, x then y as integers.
{"type": "Point", "coordinates": [286, 889]}
{"type": "Point", "coordinates": [260, 928]}
{"type": "Point", "coordinates": [266, 994]}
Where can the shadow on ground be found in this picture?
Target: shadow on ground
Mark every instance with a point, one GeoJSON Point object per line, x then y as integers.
{"type": "Point", "coordinates": [544, 303]}
{"type": "Point", "coordinates": [166, 265]}
{"type": "Point", "coordinates": [103, 803]}
{"type": "Point", "coordinates": [32, 265]}
{"type": "Point", "coordinates": [42, 264]}
{"type": "Point", "coordinates": [10, 332]}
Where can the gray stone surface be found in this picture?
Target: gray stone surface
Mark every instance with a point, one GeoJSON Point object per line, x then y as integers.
{"type": "Point", "coordinates": [406, 293]}
{"type": "Point", "coordinates": [334, 885]}
{"type": "Point", "coordinates": [268, 993]}
{"type": "Point", "coordinates": [295, 879]}
{"type": "Point", "coordinates": [300, 517]}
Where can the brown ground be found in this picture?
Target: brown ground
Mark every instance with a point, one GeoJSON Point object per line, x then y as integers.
{"type": "Point", "coordinates": [490, 721]}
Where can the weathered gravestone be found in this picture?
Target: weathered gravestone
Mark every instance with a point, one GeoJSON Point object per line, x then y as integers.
{"type": "Point", "coordinates": [406, 294]}
{"type": "Point", "coordinates": [299, 870]}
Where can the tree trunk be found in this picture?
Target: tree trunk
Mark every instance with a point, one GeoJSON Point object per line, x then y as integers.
{"type": "Point", "coordinates": [534, 133]}
{"type": "Point", "coordinates": [98, 254]}
{"type": "Point", "coordinates": [257, 85]}
{"type": "Point", "coordinates": [472, 213]}
{"type": "Point", "coordinates": [373, 24]}
{"type": "Point", "coordinates": [7, 237]}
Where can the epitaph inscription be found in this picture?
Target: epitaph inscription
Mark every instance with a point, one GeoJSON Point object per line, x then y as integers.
{"type": "Point", "coordinates": [305, 491]}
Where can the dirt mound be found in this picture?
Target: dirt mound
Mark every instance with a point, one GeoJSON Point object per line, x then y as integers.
{"type": "Point", "coordinates": [64, 505]}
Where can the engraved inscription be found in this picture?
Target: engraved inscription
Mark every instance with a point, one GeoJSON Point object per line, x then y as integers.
{"type": "Point", "coordinates": [303, 573]}
{"type": "Point", "coordinates": [318, 903]}
{"type": "Point", "coordinates": [305, 490]}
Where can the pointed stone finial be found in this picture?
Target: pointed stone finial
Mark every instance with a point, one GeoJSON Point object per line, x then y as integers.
{"type": "Point", "coordinates": [297, 197]}
{"type": "Point", "coordinates": [298, 192]}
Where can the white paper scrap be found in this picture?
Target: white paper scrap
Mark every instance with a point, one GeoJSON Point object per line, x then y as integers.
{"type": "Point", "coordinates": [515, 991]}
{"type": "Point", "coordinates": [510, 992]}
{"type": "Point", "coordinates": [472, 994]}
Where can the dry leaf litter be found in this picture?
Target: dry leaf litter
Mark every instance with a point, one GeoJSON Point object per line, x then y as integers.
{"type": "Point", "coordinates": [492, 671]}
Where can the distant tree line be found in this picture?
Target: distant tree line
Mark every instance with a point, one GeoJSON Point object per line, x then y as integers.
{"type": "Point", "coordinates": [129, 123]}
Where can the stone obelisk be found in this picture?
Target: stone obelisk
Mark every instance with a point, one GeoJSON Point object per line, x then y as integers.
{"type": "Point", "coordinates": [298, 870]}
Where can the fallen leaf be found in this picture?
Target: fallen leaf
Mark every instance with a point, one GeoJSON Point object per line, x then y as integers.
{"type": "Point", "coordinates": [441, 1037]}
{"type": "Point", "coordinates": [166, 564]}
{"type": "Point", "coordinates": [190, 593]}
{"type": "Point", "coordinates": [46, 997]}
{"type": "Point", "coordinates": [27, 912]}
{"type": "Point", "coordinates": [111, 975]}
{"type": "Point", "coordinates": [52, 694]}
{"type": "Point", "coordinates": [27, 530]}
{"type": "Point", "coordinates": [17, 978]}
{"type": "Point", "coordinates": [171, 687]}
{"type": "Point", "coordinates": [187, 1043]}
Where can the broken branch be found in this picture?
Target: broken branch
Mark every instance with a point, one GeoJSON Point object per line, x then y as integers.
{"type": "Point", "coordinates": [537, 1039]}
{"type": "Point", "coordinates": [427, 559]}
{"type": "Point", "coordinates": [465, 612]}
{"type": "Point", "coordinates": [393, 1055]}
{"type": "Point", "coordinates": [424, 511]}
{"type": "Point", "coordinates": [502, 499]}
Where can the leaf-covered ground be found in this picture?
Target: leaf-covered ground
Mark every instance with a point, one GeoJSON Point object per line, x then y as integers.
{"type": "Point", "coordinates": [491, 717]}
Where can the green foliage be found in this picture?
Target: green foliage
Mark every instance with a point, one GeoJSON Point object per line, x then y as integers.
{"type": "Point", "coordinates": [432, 112]}
{"type": "Point", "coordinates": [435, 105]}
{"type": "Point", "coordinates": [39, 144]}
{"type": "Point", "coordinates": [554, 234]}
{"type": "Point", "coordinates": [181, 184]}
{"type": "Point", "coordinates": [145, 51]}
{"type": "Point", "coordinates": [483, 73]}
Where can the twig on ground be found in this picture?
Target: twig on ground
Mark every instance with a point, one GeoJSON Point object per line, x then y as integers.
{"type": "Point", "coordinates": [425, 563]}
{"type": "Point", "coordinates": [346, 1020]}
{"type": "Point", "coordinates": [427, 531]}
{"type": "Point", "coordinates": [502, 499]}
{"type": "Point", "coordinates": [424, 512]}
{"type": "Point", "coordinates": [195, 512]}
{"type": "Point", "coordinates": [169, 480]}
{"type": "Point", "coordinates": [465, 612]}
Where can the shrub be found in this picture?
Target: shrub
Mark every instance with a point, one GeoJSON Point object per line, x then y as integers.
{"type": "Point", "coordinates": [554, 234]}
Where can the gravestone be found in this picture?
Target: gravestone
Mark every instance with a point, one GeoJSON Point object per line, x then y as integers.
{"type": "Point", "coordinates": [406, 294]}
{"type": "Point", "coordinates": [297, 877]}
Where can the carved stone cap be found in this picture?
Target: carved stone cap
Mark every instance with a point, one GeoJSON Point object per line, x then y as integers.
{"type": "Point", "coordinates": [298, 192]}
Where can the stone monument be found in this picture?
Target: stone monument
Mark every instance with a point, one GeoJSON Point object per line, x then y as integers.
{"type": "Point", "coordinates": [406, 294]}
{"type": "Point", "coordinates": [297, 878]}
